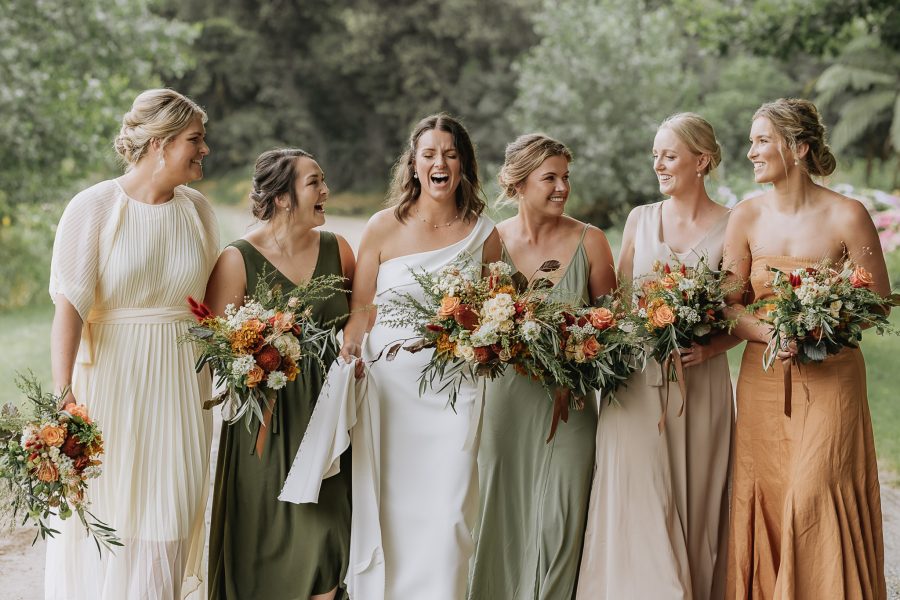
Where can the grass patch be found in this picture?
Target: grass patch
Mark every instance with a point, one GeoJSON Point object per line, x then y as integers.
{"type": "Point", "coordinates": [24, 344]}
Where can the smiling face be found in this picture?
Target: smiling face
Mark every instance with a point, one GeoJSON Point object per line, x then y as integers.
{"type": "Point", "coordinates": [546, 189]}
{"type": "Point", "coordinates": [437, 165]}
{"type": "Point", "coordinates": [766, 153]}
{"type": "Point", "coordinates": [185, 152]}
{"type": "Point", "coordinates": [675, 165]}
{"type": "Point", "coordinates": [310, 192]}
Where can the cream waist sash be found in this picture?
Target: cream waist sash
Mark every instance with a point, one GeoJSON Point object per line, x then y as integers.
{"type": "Point", "coordinates": [126, 316]}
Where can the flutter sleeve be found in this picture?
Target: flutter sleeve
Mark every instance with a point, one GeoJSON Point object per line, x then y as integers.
{"type": "Point", "coordinates": [75, 263]}
{"type": "Point", "coordinates": [207, 225]}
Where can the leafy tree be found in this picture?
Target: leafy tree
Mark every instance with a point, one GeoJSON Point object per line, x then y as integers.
{"type": "Point", "coordinates": [602, 78]}
{"type": "Point", "coordinates": [863, 88]}
{"type": "Point", "coordinates": [68, 71]}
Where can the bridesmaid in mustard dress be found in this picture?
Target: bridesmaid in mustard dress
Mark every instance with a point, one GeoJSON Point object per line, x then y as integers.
{"type": "Point", "coordinates": [806, 521]}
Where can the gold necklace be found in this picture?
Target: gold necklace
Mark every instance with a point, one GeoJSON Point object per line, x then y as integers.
{"type": "Point", "coordinates": [439, 225]}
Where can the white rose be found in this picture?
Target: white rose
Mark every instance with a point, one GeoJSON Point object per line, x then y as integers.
{"type": "Point", "coordinates": [465, 352]}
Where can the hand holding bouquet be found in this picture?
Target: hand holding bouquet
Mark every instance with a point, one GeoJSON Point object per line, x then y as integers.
{"type": "Point", "coordinates": [47, 462]}
{"type": "Point", "coordinates": [679, 305]}
{"type": "Point", "coordinates": [478, 325]}
{"type": "Point", "coordinates": [260, 346]}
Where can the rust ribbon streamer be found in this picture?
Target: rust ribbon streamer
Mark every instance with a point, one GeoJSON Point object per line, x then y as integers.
{"type": "Point", "coordinates": [673, 359]}
{"type": "Point", "coordinates": [263, 429]}
{"type": "Point", "coordinates": [786, 370]}
{"type": "Point", "coordinates": [560, 412]}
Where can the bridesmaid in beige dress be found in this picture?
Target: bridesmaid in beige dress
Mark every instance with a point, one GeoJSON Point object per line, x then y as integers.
{"type": "Point", "coordinates": [657, 520]}
{"type": "Point", "coordinates": [806, 520]}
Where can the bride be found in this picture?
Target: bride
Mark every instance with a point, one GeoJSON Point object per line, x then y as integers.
{"type": "Point", "coordinates": [428, 485]}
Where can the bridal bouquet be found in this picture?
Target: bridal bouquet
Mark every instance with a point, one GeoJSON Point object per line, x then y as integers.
{"type": "Point", "coordinates": [823, 309]}
{"type": "Point", "coordinates": [47, 462]}
{"type": "Point", "coordinates": [478, 325]}
{"type": "Point", "coordinates": [260, 346]}
{"type": "Point", "coordinates": [680, 305]}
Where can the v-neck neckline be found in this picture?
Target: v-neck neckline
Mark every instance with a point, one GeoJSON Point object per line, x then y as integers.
{"type": "Point", "coordinates": [285, 277]}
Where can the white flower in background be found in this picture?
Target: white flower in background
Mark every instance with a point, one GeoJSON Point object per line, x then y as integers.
{"type": "Point", "coordinates": [243, 365]}
{"type": "Point", "coordinates": [531, 331]}
{"type": "Point", "coordinates": [486, 334]}
{"type": "Point", "coordinates": [689, 314]}
{"type": "Point", "coordinates": [465, 352]}
{"type": "Point", "coordinates": [835, 308]}
{"type": "Point", "coordinates": [499, 268]}
{"type": "Point", "coordinates": [499, 308]}
{"type": "Point", "coordinates": [287, 345]}
{"type": "Point", "coordinates": [686, 284]}
{"type": "Point", "coordinates": [276, 380]}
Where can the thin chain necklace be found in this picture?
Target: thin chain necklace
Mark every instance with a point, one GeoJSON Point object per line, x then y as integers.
{"type": "Point", "coordinates": [439, 225]}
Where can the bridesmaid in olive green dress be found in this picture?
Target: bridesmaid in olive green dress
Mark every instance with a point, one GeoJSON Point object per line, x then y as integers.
{"type": "Point", "coordinates": [534, 495]}
{"type": "Point", "coordinates": [261, 547]}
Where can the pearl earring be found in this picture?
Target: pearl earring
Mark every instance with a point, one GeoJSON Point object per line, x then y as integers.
{"type": "Point", "coordinates": [796, 162]}
{"type": "Point", "coordinates": [415, 175]}
{"type": "Point", "coordinates": [699, 174]}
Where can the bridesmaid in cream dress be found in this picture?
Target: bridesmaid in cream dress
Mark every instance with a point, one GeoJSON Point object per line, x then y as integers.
{"type": "Point", "coordinates": [428, 484]}
{"type": "Point", "coordinates": [657, 520]}
{"type": "Point", "coordinates": [127, 254]}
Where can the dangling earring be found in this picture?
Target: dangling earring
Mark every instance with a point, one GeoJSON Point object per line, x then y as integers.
{"type": "Point", "coordinates": [699, 174]}
{"type": "Point", "coordinates": [415, 175]}
{"type": "Point", "coordinates": [796, 163]}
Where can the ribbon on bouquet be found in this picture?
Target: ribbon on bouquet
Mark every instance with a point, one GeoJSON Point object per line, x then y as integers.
{"type": "Point", "coordinates": [786, 371]}
{"type": "Point", "coordinates": [672, 361]}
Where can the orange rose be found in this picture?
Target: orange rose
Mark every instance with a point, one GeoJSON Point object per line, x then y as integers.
{"type": "Point", "coordinates": [255, 375]}
{"type": "Point", "coordinates": [47, 472]}
{"type": "Point", "coordinates": [80, 411]}
{"type": "Point", "coordinates": [449, 304]}
{"type": "Point", "coordinates": [248, 338]}
{"type": "Point", "coordinates": [601, 318]}
{"type": "Point", "coordinates": [591, 347]}
{"type": "Point", "coordinates": [52, 435]}
{"type": "Point", "coordinates": [669, 282]}
{"type": "Point", "coordinates": [661, 315]}
{"type": "Point", "coordinates": [861, 278]}
{"type": "Point", "coordinates": [282, 321]}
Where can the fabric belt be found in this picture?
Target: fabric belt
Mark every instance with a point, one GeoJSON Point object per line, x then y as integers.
{"type": "Point", "coordinates": [126, 316]}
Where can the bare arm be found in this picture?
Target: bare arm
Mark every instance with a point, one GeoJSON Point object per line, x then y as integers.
{"type": "Point", "coordinates": [491, 251]}
{"type": "Point", "coordinates": [228, 281]}
{"type": "Point", "coordinates": [626, 252]}
{"type": "Point", "coordinates": [362, 309]}
{"type": "Point", "coordinates": [602, 277]}
{"type": "Point", "coordinates": [864, 247]}
{"type": "Point", "coordinates": [737, 260]}
{"type": "Point", "coordinates": [65, 335]}
{"type": "Point", "coordinates": [348, 260]}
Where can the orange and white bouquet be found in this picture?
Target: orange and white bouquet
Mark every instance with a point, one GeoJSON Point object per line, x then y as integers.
{"type": "Point", "coordinates": [479, 320]}
{"type": "Point", "coordinates": [678, 305]}
{"type": "Point", "coordinates": [47, 462]}
{"type": "Point", "coordinates": [259, 347]}
{"type": "Point", "coordinates": [823, 309]}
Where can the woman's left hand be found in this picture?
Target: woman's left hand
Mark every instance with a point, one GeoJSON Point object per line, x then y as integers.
{"type": "Point", "coordinates": [788, 351]}
{"type": "Point", "coordinates": [697, 354]}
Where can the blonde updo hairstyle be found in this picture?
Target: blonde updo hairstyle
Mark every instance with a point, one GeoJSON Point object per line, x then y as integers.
{"type": "Point", "coordinates": [275, 174]}
{"type": "Point", "coordinates": [523, 155]}
{"type": "Point", "coordinates": [797, 121]}
{"type": "Point", "coordinates": [158, 114]}
{"type": "Point", "coordinates": [698, 135]}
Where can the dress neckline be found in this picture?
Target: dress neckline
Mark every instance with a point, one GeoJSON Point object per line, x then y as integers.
{"type": "Point", "coordinates": [279, 272]}
{"type": "Point", "coordinates": [693, 248]}
{"type": "Point", "coordinates": [475, 229]}
{"type": "Point", "coordinates": [578, 248]}
{"type": "Point", "coordinates": [149, 206]}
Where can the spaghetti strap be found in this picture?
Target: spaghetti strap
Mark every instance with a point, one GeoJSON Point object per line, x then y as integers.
{"type": "Point", "coordinates": [583, 233]}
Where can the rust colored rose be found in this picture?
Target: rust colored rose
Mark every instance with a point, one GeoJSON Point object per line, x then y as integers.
{"type": "Point", "coordinates": [861, 278]}
{"type": "Point", "coordinates": [52, 435]}
{"type": "Point", "coordinates": [47, 472]}
{"type": "Point", "coordinates": [601, 318]}
{"type": "Point", "coordinates": [466, 317]}
{"type": "Point", "coordinates": [449, 304]}
{"type": "Point", "coordinates": [72, 447]}
{"type": "Point", "coordinates": [661, 315]}
{"type": "Point", "coordinates": [591, 347]}
{"type": "Point", "coordinates": [80, 411]}
{"type": "Point", "coordinates": [483, 354]}
{"type": "Point", "coordinates": [81, 463]}
{"type": "Point", "coordinates": [268, 358]}
{"type": "Point", "coordinates": [255, 375]}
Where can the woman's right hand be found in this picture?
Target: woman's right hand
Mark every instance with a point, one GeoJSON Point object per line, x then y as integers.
{"type": "Point", "coordinates": [351, 351]}
{"type": "Point", "coordinates": [67, 399]}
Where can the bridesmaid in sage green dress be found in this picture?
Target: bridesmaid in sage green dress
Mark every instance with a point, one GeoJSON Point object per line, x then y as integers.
{"type": "Point", "coordinates": [534, 494]}
{"type": "Point", "coordinates": [259, 546]}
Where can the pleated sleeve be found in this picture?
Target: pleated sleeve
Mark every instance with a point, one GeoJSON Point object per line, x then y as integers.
{"type": "Point", "coordinates": [75, 264]}
{"type": "Point", "coordinates": [207, 225]}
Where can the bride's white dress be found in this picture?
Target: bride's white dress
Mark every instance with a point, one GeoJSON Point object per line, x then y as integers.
{"type": "Point", "coordinates": [428, 482]}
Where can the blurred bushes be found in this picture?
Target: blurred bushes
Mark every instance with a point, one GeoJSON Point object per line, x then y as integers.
{"type": "Point", "coordinates": [26, 242]}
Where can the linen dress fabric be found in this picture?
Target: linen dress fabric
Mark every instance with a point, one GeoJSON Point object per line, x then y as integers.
{"type": "Point", "coordinates": [127, 268]}
{"type": "Point", "coordinates": [259, 546]}
{"type": "Point", "coordinates": [806, 520]}
{"type": "Point", "coordinates": [428, 485]}
{"type": "Point", "coordinates": [658, 516]}
{"type": "Point", "coordinates": [534, 495]}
